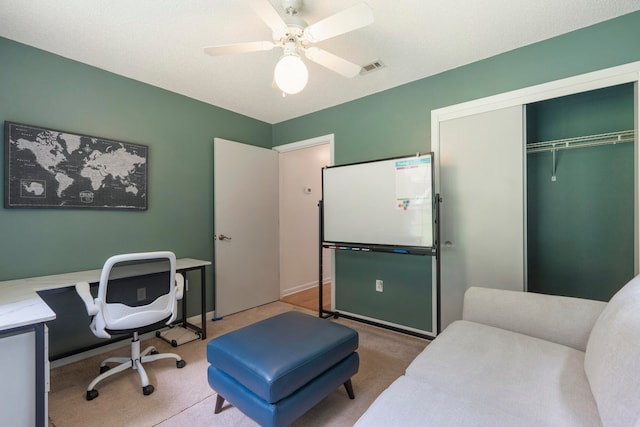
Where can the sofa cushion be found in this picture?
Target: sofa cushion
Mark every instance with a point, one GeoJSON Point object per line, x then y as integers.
{"type": "Point", "coordinates": [512, 373]}
{"type": "Point", "coordinates": [612, 359]}
{"type": "Point", "coordinates": [408, 402]}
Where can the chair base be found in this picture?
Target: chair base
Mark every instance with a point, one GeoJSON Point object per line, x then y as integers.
{"type": "Point", "coordinates": [135, 362]}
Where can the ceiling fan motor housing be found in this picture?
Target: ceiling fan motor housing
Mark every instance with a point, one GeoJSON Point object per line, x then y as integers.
{"type": "Point", "coordinates": [290, 45]}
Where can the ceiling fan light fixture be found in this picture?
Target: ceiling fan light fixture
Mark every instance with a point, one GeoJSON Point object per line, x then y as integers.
{"type": "Point", "coordinates": [290, 74]}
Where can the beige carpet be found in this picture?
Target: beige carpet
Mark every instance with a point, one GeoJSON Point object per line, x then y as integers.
{"type": "Point", "coordinates": [182, 397]}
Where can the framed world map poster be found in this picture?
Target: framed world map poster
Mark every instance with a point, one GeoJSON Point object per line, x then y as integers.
{"type": "Point", "coordinates": [46, 168]}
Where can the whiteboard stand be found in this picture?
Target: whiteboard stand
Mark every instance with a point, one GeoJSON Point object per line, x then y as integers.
{"type": "Point", "coordinates": [386, 205]}
{"type": "Point", "coordinates": [325, 314]}
{"type": "Point", "coordinates": [322, 313]}
{"type": "Point", "coordinates": [436, 244]}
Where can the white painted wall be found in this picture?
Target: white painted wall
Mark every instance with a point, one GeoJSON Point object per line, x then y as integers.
{"type": "Point", "coordinates": [301, 169]}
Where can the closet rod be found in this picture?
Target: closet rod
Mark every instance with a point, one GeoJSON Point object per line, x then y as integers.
{"type": "Point", "coordinates": [582, 141]}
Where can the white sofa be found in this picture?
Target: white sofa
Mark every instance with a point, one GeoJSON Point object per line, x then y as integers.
{"type": "Point", "coordinates": [524, 359]}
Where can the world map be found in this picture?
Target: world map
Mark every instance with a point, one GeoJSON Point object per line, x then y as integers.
{"type": "Point", "coordinates": [48, 168]}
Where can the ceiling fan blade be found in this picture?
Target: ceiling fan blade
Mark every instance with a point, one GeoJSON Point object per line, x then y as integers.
{"type": "Point", "coordinates": [350, 19]}
{"type": "Point", "coordinates": [268, 14]}
{"type": "Point", "coordinates": [236, 48]}
{"type": "Point", "coordinates": [332, 62]}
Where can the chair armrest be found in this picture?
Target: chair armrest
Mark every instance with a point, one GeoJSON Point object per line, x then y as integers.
{"type": "Point", "coordinates": [179, 286]}
{"type": "Point", "coordinates": [562, 320]}
{"type": "Point", "coordinates": [84, 291]}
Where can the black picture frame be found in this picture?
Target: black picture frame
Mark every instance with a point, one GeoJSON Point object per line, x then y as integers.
{"type": "Point", "coordinates": [49, 168]}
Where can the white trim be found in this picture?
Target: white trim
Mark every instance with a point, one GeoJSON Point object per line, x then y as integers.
{"type": "Point", "coordinates": [311, 142]}
{"type": "Point", "coordinates": [627, 73]}
{"type": "Point", "coordinates": [304, 287]}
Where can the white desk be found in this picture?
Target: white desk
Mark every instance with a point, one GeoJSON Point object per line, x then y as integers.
{"type": "Point", "coordinates": [23, 338]}
{"type": "Point", "coordinates": [21, 305]}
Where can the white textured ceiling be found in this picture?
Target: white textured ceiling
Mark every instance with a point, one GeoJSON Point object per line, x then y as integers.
{"type": "Point", "coordinates": [160, 42]}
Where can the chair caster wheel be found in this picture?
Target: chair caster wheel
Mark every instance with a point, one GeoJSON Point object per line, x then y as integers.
{"type": "Point", "coordinates": [158, 334]}
{"type": "Point", "coordinates": [92, 394]}
{"type": "Point", "coordinates": [104, 369]}
{"type": "Point", "coordinates": [154, 351]}
{"type": "Point", "coordinates": [147, 390]}
{"type": "Point", "coordinates": [174, 343]}
{"type": "Point", "coordinates": [180, 364]}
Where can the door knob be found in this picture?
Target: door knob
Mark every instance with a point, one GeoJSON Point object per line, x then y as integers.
{"type": "Point", "coordinates": [223, 237]}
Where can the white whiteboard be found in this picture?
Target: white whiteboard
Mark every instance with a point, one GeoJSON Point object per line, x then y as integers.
{"type": "Point", "coordinates": [386, 202]}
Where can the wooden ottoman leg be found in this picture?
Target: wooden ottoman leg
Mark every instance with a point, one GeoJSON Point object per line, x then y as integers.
{"type": "Point", "coordinates": [219, 403]}
{"type": "Point", "coordinates": [349, 387]}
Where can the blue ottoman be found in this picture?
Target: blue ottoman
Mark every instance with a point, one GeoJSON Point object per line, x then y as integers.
{"type": "Point", "coordinates": [277, 369]}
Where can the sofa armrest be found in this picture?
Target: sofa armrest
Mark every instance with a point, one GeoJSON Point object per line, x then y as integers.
{"type": "Point", "coordinates": [563, 320]}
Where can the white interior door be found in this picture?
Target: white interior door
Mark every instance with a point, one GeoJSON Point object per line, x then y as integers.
{"type": "Point", "coordinates": [481, 166]}
{"type": "Point", "coordinates": [246, 226]}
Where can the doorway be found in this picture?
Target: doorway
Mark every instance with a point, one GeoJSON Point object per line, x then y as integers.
{"type": "Point", "coordinates": [300, 190]}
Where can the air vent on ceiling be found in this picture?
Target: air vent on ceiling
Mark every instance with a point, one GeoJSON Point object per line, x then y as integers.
{"type": "Point", "coordinates": [371, 67]}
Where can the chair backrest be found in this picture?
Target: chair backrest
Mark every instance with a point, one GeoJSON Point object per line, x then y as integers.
{"type": "Point", "coordinates": [137, 290]}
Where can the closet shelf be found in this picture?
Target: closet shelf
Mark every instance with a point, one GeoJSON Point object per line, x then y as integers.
{"type": "Point", "coordinates": [582, 141]}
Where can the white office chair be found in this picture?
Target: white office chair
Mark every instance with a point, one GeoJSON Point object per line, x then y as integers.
{"type": "Point", "coordinates": [138, 292]}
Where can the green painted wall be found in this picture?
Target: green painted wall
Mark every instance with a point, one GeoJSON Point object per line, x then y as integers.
{"type": "Point", "coordinates": [46, 90]}
{"type": "Point", "coordinates": [580, 227]}
{"type": "Point", "coordinates": [404, 301]}
{"type": "Point", "coordinates": [397, 121]}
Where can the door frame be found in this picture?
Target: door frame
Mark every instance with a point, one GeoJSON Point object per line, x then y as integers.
{"type": "Point", "coordinates": [308, 143]}
{"type": "Point", "coordinates": [311, 142]}
{"type": "Point", "coordinates": [627, 73]}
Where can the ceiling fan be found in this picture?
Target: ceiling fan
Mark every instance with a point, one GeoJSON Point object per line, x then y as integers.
{"type": "Point", "coordinates": [295, 37]}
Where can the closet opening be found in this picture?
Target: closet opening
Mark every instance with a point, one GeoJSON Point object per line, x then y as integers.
{"type": "Point", "coordinates": [580, 193]}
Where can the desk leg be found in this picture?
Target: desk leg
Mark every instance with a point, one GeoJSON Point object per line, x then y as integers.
{"type": "Point", "coordinates": [202, 331]}
{"type": "Point", "coordinates": [42, 375]}
{"type": "Point", "coordinates": [184, 300]}
{"type": "Point", "coordinates": [203, 301]}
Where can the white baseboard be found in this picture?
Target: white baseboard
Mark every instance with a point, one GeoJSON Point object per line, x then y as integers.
{"type": "Point", "coordinates": [116, 345]}
{"type": "Point", "coordinates": [303, 287]}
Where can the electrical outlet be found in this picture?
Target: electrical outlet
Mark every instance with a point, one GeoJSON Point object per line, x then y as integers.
{"type": "Point", "coordinates": [142, 294]}
{"type": "Point", "coordinates": [379, 286]}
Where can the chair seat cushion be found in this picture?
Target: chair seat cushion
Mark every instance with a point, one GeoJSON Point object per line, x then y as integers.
{"type": "Point", "coordinates": [275, 357]}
